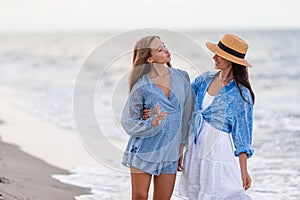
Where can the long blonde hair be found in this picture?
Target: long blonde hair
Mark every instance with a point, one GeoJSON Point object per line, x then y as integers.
{"type": "Point", "coordinates": [141, 53]}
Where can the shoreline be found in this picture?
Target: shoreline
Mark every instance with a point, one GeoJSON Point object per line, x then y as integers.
{"type": "Point", "coordinates": [58, 147]}
{"type": "Point", "coordinates": [32, 150]}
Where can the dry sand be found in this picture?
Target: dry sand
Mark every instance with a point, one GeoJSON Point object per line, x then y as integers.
{"type": "Point", "coordinates": [23, 176]}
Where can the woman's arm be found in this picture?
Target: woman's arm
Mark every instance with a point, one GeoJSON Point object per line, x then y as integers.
{"type": "Point", "coordinates": [188, 108]}
{"type": "Point", "coordinates": [242, 136]}
{"type": "Point", "coordinates": [132, 121]}
{"type": "Point", "coordinates": [242, 126]}
{"type": "Point", "coordinates": [245, 176]}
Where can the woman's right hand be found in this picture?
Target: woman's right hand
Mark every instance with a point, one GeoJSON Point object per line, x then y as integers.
{"type": "Point", "coordinates": [159, 116]}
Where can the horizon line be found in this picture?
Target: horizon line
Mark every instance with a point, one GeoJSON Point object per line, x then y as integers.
{"type": "Point", "coordinates": [84, 31]}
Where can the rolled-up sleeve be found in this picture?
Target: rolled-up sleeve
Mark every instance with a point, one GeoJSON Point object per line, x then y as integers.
{"type": "Point", "coordinates": [242, 128]}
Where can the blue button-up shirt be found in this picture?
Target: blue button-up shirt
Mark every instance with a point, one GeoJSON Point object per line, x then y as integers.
{"type": "Point", "coordinates": [228, 112]}
{"type": "Point", "coordinates": [151, 148]}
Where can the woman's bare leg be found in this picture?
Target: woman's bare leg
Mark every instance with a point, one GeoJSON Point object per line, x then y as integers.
{"type": "Point", "coordinates": [163, 186]}
{"type": "Point", "coordinates": [140, 183]}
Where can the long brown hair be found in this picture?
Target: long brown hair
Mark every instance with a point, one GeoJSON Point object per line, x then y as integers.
{"type": "Point", "coordinates": [240, 74]}
{"type": "Point", "coordinates": [141, 53]}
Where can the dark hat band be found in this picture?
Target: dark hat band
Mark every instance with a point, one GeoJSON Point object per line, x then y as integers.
{"type": "Point", "coordinates": [230, 51]}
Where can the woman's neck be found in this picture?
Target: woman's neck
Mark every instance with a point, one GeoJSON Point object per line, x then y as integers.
{"type": "Point", "coordinates": [226, 73]}
{"type": "Point", "coordinates": [225, 76]}
{"type": "Point", "coordinates": [158, 70]}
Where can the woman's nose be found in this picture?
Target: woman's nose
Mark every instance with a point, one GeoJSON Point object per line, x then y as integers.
{"type": "Point", "coordinates": [166, 49]}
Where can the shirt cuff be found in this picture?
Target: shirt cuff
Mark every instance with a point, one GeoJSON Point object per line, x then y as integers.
{"type": "Point", "coordinates": [248, 151]}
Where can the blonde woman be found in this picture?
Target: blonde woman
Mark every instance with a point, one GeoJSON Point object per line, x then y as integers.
{"type": "Point", "coordinates": [156, 143]}
{"type": "Point", "coordinates": [223, 116]}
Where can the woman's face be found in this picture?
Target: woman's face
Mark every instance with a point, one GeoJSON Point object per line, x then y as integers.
{"type": "Point", "coordinates": [159, 53]}
{"type": "Point", "coordinates": [221, 63]}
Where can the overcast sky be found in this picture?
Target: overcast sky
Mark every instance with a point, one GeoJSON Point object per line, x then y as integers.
{"type": "Point", "coordinates": [95, 15]}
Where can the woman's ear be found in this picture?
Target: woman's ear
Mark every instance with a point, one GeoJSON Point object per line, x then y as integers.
{"type": "Point", "coordinates": [150, 60]}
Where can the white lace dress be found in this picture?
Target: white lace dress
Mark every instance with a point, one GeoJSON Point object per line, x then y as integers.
{"type": "Point", "coordinates": [210, 168]}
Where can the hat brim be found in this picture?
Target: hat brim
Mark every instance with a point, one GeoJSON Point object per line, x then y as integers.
{"type": "Point", "coordinates": [215, 49]}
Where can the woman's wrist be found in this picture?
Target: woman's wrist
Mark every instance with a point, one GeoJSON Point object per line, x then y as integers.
{"type": "Point", "coordinates": [243, 162]}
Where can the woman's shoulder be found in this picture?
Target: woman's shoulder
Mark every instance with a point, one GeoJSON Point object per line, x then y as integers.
{"type": "Point", "coordinates": [140, 82]}
{"type": "Point", "coordinates": [181, 72]}
{"type": "Point", "coordinates": [208, 74]}
{"type": "Point", "coordinates": [245, 92]}
{"type": "Point", "coordinates": [203, 76]}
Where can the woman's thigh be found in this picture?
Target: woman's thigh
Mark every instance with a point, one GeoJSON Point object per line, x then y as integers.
{"type": "Point", "coordinates": [163, 186]}
{"type": "Point", "coordinates": [140, 183]}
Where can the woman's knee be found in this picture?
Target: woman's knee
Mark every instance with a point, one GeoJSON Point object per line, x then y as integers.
{"type": "Point", "coordinates": [140, 195]}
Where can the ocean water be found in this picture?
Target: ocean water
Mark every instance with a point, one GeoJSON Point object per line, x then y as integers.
{"type": "Point", "coordinates": [60, 70]}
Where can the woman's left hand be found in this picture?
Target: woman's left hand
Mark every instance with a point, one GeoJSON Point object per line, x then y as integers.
{"type": "Point", "coordinates": [146, 113]}
{"type": "Point", "coordinates": [246, 180]}
{"type": "Point", "coordinates": [180, 161]}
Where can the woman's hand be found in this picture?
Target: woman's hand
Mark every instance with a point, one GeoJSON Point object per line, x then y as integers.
{"type": "Point", "coordinates": [180, 161]}
{"type": "Point", "coordinates": [245, 176]}
{"type": "Point", "coordinates": [246, 180]}
{"type": "Point", "coordinates": [159, 116]}
{"type": "Point", "coordinates": [146, 113]}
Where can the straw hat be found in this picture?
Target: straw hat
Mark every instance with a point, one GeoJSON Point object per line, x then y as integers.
{"type": "Point", "coordinates": [232, 48]}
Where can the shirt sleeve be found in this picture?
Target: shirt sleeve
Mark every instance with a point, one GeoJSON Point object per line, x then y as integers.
{"type": "Point", "coordinates": [132, 117]}
{"type": "Point", "coordinates": [188, 108]}
{"type": "Point", "coordinates": [242, 127]}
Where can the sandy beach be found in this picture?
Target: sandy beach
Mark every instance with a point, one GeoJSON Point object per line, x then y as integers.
{"type": "Point", "coordinates": [23, 176]}
{"type": "Point", "coordinates": [37, 77]}
{"type": "Point", "coordinates": [32, 150]}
